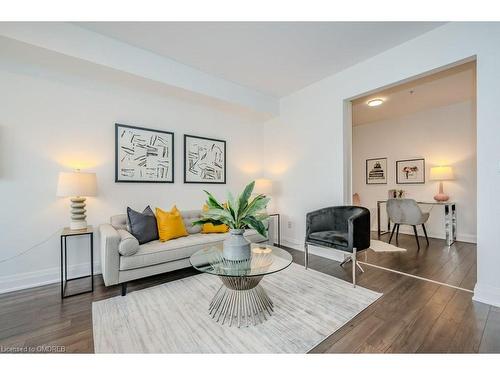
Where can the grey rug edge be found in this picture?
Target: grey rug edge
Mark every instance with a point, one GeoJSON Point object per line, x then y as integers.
{"type": "Point", "coordinates": [343, 325]}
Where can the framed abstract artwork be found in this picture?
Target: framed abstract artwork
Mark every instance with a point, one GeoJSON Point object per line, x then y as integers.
{"type": "Point", "coordinates": [376, 171]}
{"type": "Point", "coordinates": [204, 160]}
{"type": "Point", "coordinates": [410, 171]}
{"type": "Point", "coordinates": [143, 155]}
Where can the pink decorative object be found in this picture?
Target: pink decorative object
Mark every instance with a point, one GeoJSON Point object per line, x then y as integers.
{"type": "Point", "coordinates": [441, 174]}
{"type": "Point", "coordinates": [441, 196]}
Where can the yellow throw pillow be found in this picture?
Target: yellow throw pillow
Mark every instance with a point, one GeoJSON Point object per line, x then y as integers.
{"type": "Point", "coordinates": [210, 228]}
{"type": "Point", "coordinates": [170, 224]}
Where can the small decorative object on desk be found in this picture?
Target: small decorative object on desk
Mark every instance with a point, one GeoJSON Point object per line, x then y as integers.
{"type": "Point", "coordinates": [395, 193]}
{"type": "Point", "coordinates": [238, 214]}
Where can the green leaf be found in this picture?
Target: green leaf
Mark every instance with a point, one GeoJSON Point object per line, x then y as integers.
{"type": "Point", "coordinates": [232, 205]}
{"type": "Point", "coordinates": [258, 204]}
{"type": "Point", "coordinates": [244, 197]}
{"type": "Point", "coordinates": [239, 213]}
{"type": "Point", "coordinates": [262, 216]}
{"type": "Point", "coordinates": [212, 202]}
{"type": "Point", "coordinates": [253, 223]}
{"type": "Point", "coordinates": [207, 220]}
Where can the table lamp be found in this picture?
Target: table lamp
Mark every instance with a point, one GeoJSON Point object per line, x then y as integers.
{"type": "Point", "coordinates": [441, 174]}
{"type": "Point", "coordinates": [77, 185]}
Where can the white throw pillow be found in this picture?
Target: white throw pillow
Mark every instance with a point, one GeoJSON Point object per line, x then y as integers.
{"type": "Point", "coordinates": [129, 245]}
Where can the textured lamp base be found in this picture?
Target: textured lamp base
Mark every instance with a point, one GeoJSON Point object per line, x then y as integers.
{"type": "Point", "coordinates": [242, 301]}
{"type": "Point", "coordinates": [78, 217]}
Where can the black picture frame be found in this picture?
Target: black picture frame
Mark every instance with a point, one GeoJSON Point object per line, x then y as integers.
{"type": "Point", "coordinates": [411, 182]}
{"type": "Point", "coordinates": [368, 182]}
{"type": "Point", "coordinates": [186, 181]}
{"type": "Point", "coordinates": [118, 126]}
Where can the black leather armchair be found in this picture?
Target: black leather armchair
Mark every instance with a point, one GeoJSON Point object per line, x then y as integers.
{"type": "Point", "coordinates": [344, 228]}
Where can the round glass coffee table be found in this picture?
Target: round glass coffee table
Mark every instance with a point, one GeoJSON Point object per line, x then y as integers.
{"type": "Point", "coordinates": [241, 299]}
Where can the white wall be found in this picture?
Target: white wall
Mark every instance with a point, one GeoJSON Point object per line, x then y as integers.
{"type": "Point", "coordinates": [305, 145]}
{"type": "Point", "coordinates": [442, 136]}
{"type": "Point", "coordinates": [51, 122]}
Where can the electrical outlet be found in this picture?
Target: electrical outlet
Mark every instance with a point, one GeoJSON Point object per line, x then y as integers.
{"type": "Point", "coordinates": [289, 225]}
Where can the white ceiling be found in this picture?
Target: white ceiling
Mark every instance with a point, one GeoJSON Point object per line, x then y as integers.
{"type": "Point", "coordinates": [276, 58]}
{"type": "Point", "coordinates": [440, 89]}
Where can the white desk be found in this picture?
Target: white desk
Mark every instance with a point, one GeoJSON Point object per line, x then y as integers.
{"type": "Point", "coordinates": [450, 219]}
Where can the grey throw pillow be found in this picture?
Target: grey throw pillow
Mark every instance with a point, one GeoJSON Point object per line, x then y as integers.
{"type": "Point", "coordinates": [129, 245]}
{"type": "Point", "coordinates": [143, 225]}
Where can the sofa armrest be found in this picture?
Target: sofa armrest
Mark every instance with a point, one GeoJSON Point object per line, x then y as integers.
{"type": "Point", "coordinates": [110, 257]}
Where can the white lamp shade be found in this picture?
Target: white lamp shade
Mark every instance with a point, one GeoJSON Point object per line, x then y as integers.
{"type": "Point", "coordinates": [76, 184]}
{"type": "Point", "coordinates": [442, 173]}
{"type": "Point", "coordinates": [263, 186]}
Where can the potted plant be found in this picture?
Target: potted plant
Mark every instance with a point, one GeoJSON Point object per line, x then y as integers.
{"type": "Point", "coordinates": [238, 214]}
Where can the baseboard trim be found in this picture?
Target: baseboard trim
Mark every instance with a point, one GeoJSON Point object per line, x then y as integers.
{"type": "Point", "coordinates": [12, 283]}
{"type": "Point", "coordinates": [487, 294]}
{"type": "Point", "coordinates": [470, 238]}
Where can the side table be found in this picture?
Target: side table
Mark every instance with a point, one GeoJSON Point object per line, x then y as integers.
{"type": "Point", "coordinates": [279, 226]}
{"type": "Point", "coordinates": [67, 232]}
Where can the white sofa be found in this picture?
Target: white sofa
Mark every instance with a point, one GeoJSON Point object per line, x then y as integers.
{"type": "Point", "coordinates": [154, 257]}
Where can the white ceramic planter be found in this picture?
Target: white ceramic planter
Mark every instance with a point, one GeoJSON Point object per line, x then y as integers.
{"type": "Point", "coordinates": [236, 247]}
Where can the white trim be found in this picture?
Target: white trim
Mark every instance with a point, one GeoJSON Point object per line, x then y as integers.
{"type": "Point", "coordinates": [47, 276]}
{"type": "Point", "coordinates": [416, 277]}
{"type": "Point", "coordinates": [487, 294]}
{"type": "Point", "coordinates": [465, 237]}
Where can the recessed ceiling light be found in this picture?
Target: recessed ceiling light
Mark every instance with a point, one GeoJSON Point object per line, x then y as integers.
{"type": "Point", "coordinates": [375, 102]}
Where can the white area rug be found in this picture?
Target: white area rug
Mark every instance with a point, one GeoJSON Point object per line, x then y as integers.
{"type": "Point", "coordinates": [173, 317]}
{"type": "Point", "coordinates": [381, 247]}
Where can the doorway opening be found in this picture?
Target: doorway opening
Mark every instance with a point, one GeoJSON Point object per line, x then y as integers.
{"type": "Point", "coordinates": [416, 142]}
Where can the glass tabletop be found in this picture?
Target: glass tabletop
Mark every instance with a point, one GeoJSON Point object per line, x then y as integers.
{"type": "Point", "coordinates": [264, 260]}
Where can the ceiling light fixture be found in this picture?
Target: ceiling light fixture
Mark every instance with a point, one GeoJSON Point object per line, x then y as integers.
{"type": "Point", "coordinates": [375, 102]}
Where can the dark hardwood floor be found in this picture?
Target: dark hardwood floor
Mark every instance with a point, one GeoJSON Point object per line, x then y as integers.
{"type": "Point", "coordinates": [455, 265]}
{"type": "Point", "coordinates": [412, 316]}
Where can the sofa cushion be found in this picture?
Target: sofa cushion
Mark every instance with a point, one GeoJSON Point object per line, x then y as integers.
{"type": "Point", "coordinates": [156, 252]}
{"type": "Point", "coordinates": [211, 228]}
{"type": "Point", "coordinates": [170, 224]}
{"type": "Point", "coordinates": [188, 217]}
{"type": "Point", "coordinates": [129, 245]}
{"type": "Point", "coordinates": [143, 225]}
{"type": "Point", "coordinates": [330, 238]}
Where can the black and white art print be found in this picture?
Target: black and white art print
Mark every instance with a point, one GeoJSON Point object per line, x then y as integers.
{"type": "Point", "coordinates": [376, 171]}
{"type": "Point", "coordinates": [143, 155]}
{"type": "Point", "coordinates": [204, 160]}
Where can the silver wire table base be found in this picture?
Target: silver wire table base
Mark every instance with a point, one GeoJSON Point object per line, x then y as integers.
{"type": "Point", "coordinates": [242, 301]}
